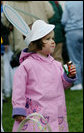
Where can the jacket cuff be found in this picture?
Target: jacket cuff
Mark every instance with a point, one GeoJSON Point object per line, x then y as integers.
{"type": "Point", "coordinates": [70, 80]}
{"type": "Point", "coordinates": [19, 111]}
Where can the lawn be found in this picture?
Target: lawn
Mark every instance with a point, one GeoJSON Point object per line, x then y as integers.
{"type": "Point", "coordinates": [74, 102]}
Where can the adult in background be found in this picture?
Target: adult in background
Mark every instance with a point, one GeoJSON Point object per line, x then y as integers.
{"type": "Point", "coordinates": [59, 32]}
{"type": "Point", "coordinates": [72, 20]}
{"type": "Point", "coordinates": [7, 53]}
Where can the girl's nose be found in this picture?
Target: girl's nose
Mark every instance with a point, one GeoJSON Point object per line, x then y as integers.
{"type": "Point", "coordinates": [53, 41]}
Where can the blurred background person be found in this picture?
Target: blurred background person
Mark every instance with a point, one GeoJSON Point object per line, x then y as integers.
{"type": "Point", "coordinates": [72, 20]}
{"type": "Point", "coordinates": [60, 49]}
{"type": "Point", "coordinates": [7, 53]}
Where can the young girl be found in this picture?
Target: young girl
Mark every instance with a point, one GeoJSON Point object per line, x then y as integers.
{"type": "Point", "coordinates": [39, 81]}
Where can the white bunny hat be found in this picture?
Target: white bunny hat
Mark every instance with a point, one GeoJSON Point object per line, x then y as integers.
{"type": "Point", "coordinates": [39, 27]}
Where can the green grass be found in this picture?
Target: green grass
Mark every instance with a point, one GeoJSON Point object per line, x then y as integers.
{"type": "Point", "coordinates": [74, 102]}
{"type": "Point", "coordinates": [7, 116]}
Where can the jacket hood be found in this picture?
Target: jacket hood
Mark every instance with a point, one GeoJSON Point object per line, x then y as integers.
{"type": "Point", "coordinates": [25, 54]}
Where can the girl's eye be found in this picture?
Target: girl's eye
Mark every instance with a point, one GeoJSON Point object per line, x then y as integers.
{"type": "Point", "coordinates": [48, 38]}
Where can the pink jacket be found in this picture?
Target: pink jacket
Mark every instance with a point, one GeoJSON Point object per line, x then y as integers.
{"type": "Point", "coordinates": [38, 86]}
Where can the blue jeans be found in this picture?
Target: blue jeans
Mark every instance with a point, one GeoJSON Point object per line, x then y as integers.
{"type": "Point", "coordinates": [74, 42]}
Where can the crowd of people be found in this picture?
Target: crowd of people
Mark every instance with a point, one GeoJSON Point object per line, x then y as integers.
{"type": "Point", "coordinates": [68, 37]}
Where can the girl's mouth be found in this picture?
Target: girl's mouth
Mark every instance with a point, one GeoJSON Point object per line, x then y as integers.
{"type": "Point", "coordinates": [52, 46]}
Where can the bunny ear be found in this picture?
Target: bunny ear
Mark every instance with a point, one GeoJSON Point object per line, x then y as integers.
{"type": "Point", "coordinates": [14, 17]}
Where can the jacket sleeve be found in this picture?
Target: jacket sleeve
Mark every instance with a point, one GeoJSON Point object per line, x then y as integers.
{"type": "Point", "coordinates": [19, 90]}
{"type": "Point", "coordinates": [67, 82]}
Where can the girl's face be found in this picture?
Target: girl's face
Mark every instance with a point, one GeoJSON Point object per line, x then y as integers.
{"type": "Point", "coordinates": [49, 44]}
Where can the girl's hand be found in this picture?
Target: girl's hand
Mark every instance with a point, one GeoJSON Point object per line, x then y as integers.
{"type": "Point", "coordinates": [72, 73]}
{"type": "Point", "coordinates": [19, 118]}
